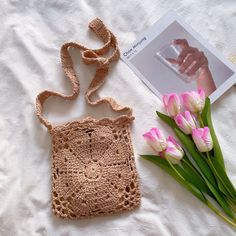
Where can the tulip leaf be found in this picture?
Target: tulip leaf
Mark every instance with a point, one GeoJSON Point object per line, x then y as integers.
{"type": "Point", "coordinates": [222, 177]}
{"type": "Point", "coordinates": [162, 163]}
{"type": "Point", "coordinates": [198, 159]}
{"type": "Point", "coordinates": [220, 185]}
{"type": "Point", "coordinates": [220, 199]}
{"type": "Point", "coordinates": [222, 188]}
{"type": "Point", "coordinates": [168, 120]}
{"type": "Point", "coordinates": [158, 161]}
{"type": "Point", "coordinates": [192, 176]}
{"type": "Point", "coordinates": [206, 118]}
{"type": "Point", "coordinates": [217, 160]}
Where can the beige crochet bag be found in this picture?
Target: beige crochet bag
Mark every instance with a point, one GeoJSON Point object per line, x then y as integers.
{"type": "Point", "coordinates": [92, 161]}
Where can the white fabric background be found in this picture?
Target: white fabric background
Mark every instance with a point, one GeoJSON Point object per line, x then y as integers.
{"type": "Point", "coordinates": [31, 34]}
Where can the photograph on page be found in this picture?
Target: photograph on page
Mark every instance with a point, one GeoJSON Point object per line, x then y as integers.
{"type": "Point", "coordinates": [171, 56]}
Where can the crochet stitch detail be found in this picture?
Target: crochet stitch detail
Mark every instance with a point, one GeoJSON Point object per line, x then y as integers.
{"type": "Point", "coordinates": [93, 169]}
{"type": "Point", "coordinates": [92, 161]}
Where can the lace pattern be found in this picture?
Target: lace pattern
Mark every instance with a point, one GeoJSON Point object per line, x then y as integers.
{"type": "Point", "coordinates": [92, 162]}
{"type": "Point", "coordinates": [93, 171]}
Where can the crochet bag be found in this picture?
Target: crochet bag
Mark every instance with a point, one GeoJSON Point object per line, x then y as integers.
{"type": "Point", "coordinates": [92, 161]}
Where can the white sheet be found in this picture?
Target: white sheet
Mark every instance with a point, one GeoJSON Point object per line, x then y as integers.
{"type": "Point", "coordinates": [31, 34]}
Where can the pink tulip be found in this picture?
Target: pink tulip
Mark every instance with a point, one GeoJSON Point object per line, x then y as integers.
{"type": "Point", "coordinates": [202, 139]}
{"type": "Point", "coordinates": [172, 104]}
{"type": "Point", "coordinates": [155, 139]}
{"type": "Point", "coordinates": [173, 152]}
{"type": "Point", "coordinates": [194, 101]}
{"type": "Point", "coordinates": [186, 122]}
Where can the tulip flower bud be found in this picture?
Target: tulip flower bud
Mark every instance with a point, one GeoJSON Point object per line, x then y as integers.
{"type": "Point", "coordinates": [173, 152]}
{"type": "Point", "coordinates": [202, 138]}
{"type": "Point", "coordinates": [186, 122]}
{"type": "Point", "coordinates": [194, 101]}
{"type": "Point", "coordinates": [155, 139]}
{"type": "Point", "coordinates": [172, 104]}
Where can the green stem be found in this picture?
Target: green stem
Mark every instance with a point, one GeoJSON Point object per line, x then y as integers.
{"type": "Point", "coordinates": [176, 171]}
{"type": "Point", "coordinates": [200, 120]}
{"type": "Point", "coordinates": [220, 214]}
{"type": "Point", "coordinates": [231, 203]}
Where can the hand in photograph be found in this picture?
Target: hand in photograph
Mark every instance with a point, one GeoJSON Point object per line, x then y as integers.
{"type": "Point", "coordinates": [190, 61]}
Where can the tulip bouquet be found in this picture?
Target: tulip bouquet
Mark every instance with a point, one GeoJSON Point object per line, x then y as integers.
{"type": "Point", "coordinates": [198, 163]}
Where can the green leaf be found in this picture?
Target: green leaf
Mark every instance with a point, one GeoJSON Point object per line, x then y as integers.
{"type": "Point", "coordinates": [221, 200]}
{"type": "Point", "coordinates": [206, 117]}
{"type": "Point", "coordinates": [162, 163]}
{"type": "Point", "coordinates": [194, 190]}
{"type": "Point", "coordinates": [220, 185]}
{"type": "Point", "coordinates": [221, 175]}
{"type": "Point", "coordinates": [192, 176]}
{"type": "Point", "coordinates": [217, 160]}
{"type": "Point", "coordinates": [205, 110]}
{"type": "Point", "coordinates": [168, 120]}
{"type": "Point", "coordinates": [159, 161]}
{"type": "Point", "coordinates": [199, 160]}
{"type": "Point", "coordinates": [222, 188]}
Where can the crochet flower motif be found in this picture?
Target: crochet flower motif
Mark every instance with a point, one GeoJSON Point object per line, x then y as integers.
{"type": "Point", "coordinates": [93, 173]}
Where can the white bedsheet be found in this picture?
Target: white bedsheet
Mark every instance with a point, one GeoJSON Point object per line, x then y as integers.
{"type": "Point", "coordinates": [31, 34]}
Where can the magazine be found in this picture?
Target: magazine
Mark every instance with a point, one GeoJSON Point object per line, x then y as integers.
{"type": "Point", "coordinates": [171, 56]}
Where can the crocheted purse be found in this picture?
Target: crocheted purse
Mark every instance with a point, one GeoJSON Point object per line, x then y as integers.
{"type": "Point", "coordinates": [92, 161]}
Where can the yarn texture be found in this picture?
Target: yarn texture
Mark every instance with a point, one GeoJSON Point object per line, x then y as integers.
{"type": "Point", "coordinates": [92, 160]}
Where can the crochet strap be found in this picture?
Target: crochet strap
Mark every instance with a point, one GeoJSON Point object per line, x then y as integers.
{"type": "Point", "coordinates": [89, 56]}
{"type": "Point", "coordinates": [233, 59]}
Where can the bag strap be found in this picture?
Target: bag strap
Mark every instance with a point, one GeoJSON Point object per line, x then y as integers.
{"type": "Point", "coordinates": [89, 56]}
{"type": "Point", "coordinates": [233, 59]}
